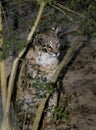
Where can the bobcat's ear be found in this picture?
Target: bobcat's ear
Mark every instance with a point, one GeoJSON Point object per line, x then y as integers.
{"type": "Point", "coordinates": [56, 29]}
{"type": "Point", "coordinates": [36, 41]}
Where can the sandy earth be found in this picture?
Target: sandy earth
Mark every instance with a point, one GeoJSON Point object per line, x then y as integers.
{"type": "Point", "coordinates": [80, 83]}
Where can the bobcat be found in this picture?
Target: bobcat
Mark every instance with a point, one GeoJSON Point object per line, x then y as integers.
{"type": "Point", "coordinates": [44, 54]}
{"type": "Point", "coordinates": [40, 65]}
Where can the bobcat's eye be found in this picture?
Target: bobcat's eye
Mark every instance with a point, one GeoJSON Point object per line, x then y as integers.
{"type": "Point", "coordinates": [43, 49]}
{"type": "Point", "coordinates": [48, 46]}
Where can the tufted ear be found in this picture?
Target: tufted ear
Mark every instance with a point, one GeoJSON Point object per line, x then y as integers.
{"type": "Point", "coordinates": [36, 41]}
{"type": "Point", "coordinates": [56, 29]}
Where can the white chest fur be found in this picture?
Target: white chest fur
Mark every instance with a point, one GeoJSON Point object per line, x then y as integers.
{"type": "Point", "coordinates": [47, 62]}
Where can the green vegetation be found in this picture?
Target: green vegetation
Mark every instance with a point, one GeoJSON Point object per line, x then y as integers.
{"type": "Point", "coordinates": [12, 45]}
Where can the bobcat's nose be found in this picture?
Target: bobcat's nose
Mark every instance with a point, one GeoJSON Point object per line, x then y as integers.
{"type": "Point", "coordinates": [57, 53]}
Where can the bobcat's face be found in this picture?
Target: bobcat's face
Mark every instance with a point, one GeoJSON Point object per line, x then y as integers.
{"type": "Point", "coordinates": [47, 42]}
{"type": "Point", "coordinates": [46, 48]}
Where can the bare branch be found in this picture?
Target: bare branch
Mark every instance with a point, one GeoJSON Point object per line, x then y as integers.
{"type": "Point", "coordinates": [2, 69]}
{"type": "Point", "coordinates": [70, 31]}
{"type": "Point", "coordinates": [3, 84]}
{"type": "Point", "coordinates": [69, 10]}
{"type": "Point", "coordinates": [58, 8]}
{"type": "Point", "coordinates": [39, 113]}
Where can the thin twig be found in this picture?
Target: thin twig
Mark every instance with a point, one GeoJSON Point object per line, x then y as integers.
{"type": "Point", "coordinates": [58, 8]}
{"type": "Point", "coordinates": [69, 10]}
{"type": "Point", "coordinates": [67, 16]}
{"type": "Point", "coordinates": [69, 31]}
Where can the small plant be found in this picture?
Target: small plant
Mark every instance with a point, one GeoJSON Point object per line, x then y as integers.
{"type": "Point", "coordinates": [42, 88]}
{"type": "Point", "coordinates": [60, 113]}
